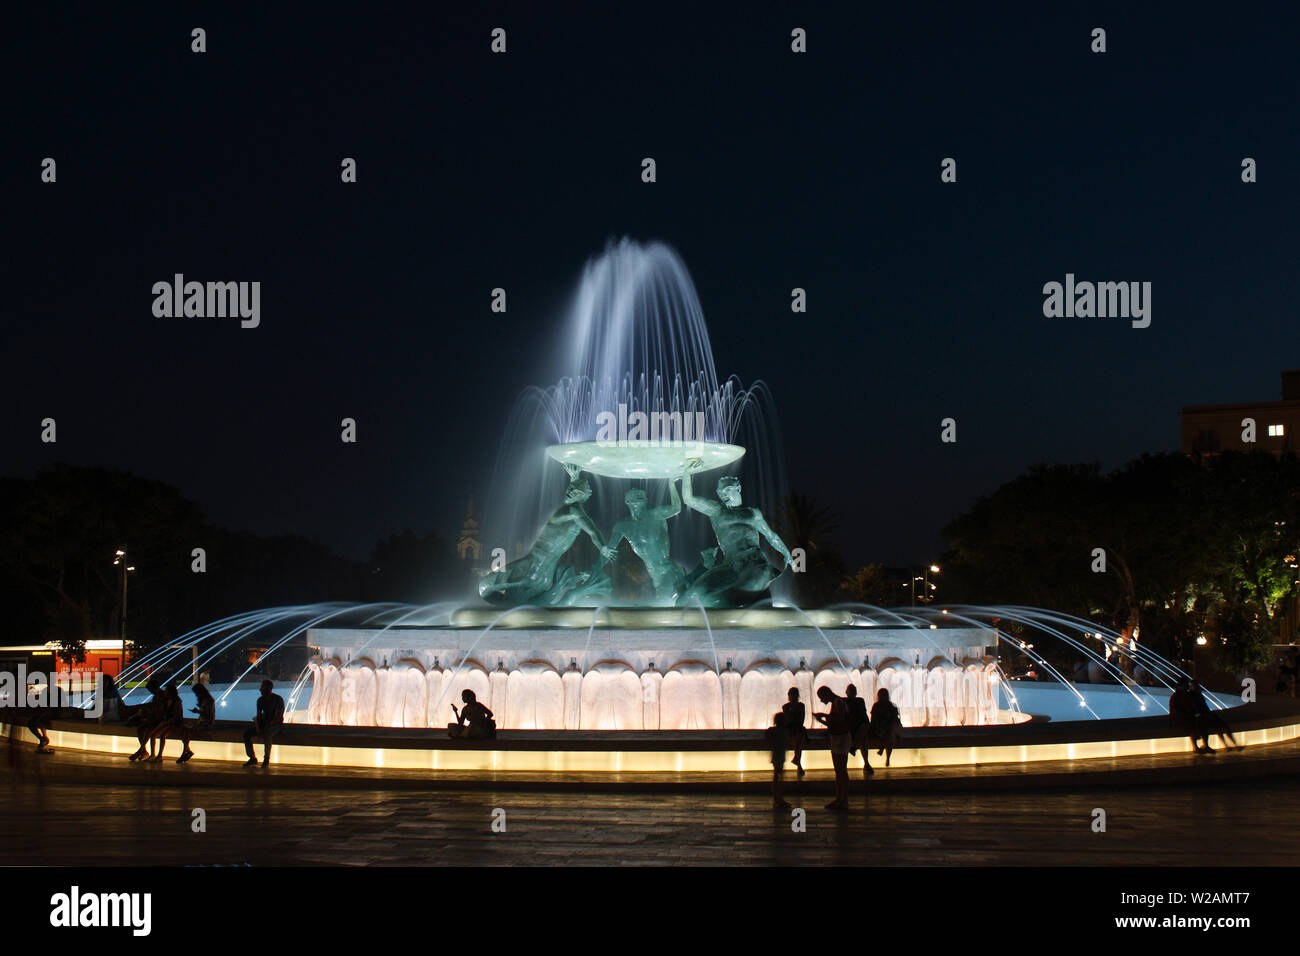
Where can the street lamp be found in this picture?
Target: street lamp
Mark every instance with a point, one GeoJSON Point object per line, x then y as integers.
{"type": "Point", "coordinates": [926, 597]}
{"type": "Point", "coordinates": [119, 558]}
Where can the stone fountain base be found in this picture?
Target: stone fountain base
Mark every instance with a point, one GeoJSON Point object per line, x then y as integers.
{"type": "Point", "coordinates": [644, 669]}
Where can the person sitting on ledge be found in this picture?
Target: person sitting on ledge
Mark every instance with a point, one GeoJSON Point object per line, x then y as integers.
{"type": "Point", "coordinates": [146, 717]}
{"type": "Point", "coordinates": [110, 699]}
{"type": "Point", "coordinates": [38, 725]}
{"type": "Point", "coordinates": [795, 717]}
{"type": "Point", "coordinates": [474, 721]}
{"type": "Point", "coordinates": [206, 710]}
{"type": "Point", "coordinates": [858, 726]}
{"type": "Point", "coordinates": [173, 721]}
{"type": "Point", "coordinates": [1182, 713]}
{"type": "Point", "coordinates": [1210, 722]}
{"type": "Point", "coordinates": [886, 725]}
{"type": "Point", "coordinates": [266, 724]}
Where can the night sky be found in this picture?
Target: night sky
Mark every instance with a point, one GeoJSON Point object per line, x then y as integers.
{"type": "Point", "coordinates": [775, 170]}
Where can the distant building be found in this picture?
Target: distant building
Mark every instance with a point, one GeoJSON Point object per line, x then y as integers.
{"type": "Point", "coordinates": [1210, 429]}
{"type": "Point", "coordinates": [468, 546]}
{"type": "Point", "coordinates": [101, 656]}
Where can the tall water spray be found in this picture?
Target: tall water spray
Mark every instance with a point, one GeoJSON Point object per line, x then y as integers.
{"type": "Point", "coordinates": [634, 340]}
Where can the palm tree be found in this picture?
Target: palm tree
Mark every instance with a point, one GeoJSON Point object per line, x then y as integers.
{"type": "Point", "coordinates": [807, 526]}
{"type": "Point", "coordinates": [803, 523]}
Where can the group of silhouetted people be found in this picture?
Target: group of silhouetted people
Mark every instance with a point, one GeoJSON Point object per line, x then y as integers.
{"type": "Point", "coordinates": [162, 717]}
{"type": "Point", "coordinates": [850, 730]}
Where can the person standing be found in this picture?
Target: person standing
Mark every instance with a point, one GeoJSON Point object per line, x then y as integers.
{"type": "Point", "coordinates": [778, 739]}
{"type": "Point", "coordinates": [836, 720]}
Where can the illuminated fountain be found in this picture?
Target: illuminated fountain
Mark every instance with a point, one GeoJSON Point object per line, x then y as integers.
{"type": "Point", "coordinates": [590, 674]}
{"type": "Point", "coordinates": [710, 640]}
{"type": "Point", "coordinates": [674, 670]}
{"type": "Point", "coordinates": [638, 412]}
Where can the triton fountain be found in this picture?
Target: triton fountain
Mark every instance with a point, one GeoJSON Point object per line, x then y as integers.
{"type": "Point", "coordinates": [638, 414]}
{"type": "Point", "coordinates": [604, 473]}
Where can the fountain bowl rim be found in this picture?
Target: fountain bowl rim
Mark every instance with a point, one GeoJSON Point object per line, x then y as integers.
{"type": "Point", "coordinates": [643, 457]}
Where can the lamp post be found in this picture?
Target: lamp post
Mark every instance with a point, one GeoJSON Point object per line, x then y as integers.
{"type": "Point", "coordinates": [119, 559]}
{"type": "Point", "coordinates": [1294, 600]}
{"type": "Point", "coordinates": [925, 579]}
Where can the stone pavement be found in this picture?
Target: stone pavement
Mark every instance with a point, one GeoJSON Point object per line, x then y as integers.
{"type": "Point", "coordinates": [62, 824]}
{"type": "Point", "coordinates": [93, 809]}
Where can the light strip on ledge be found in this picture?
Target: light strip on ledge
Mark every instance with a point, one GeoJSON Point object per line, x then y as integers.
{"type": "Point", "coordinates": [640, 761]}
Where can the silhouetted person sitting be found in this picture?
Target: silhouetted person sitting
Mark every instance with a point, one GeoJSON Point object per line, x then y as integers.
{"type": "Point", "coordinates": [1182, 713]}
{"type": "Point", "coordinates": [207, 711]}
{"type": "Point", "coordinates": [133, 714]}
{"type": "Point", "coordinates": [836, 720]}
{"type": "Point", "coordinates": [778, 739]}
{"type": "Point", "coordinates": [795, 717]}
{"type": "Point", "coordinates": [110, 699]}
{"type": "Point", "coordinates": [173, 720]}
{"type": "Point", "coordinates": [473, 721]}
{"type": "Point", "coordinates": [146, 717]}
{"type": "Point", "coordinates": [859, 725]}
{"type": "Point", "coordinates": [266, 724]}
{"type": "Point", "coordinates": [1209, 721]}
{"type": "Point", "coordinates": [38, 724]}
{"type": "Point", "coordinates": [886, 725]}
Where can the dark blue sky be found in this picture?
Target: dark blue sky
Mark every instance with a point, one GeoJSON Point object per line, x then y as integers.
{"type": "Point", "coordinates": [775, 170]}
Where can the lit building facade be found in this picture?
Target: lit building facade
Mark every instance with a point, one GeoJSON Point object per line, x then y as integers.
{"type": "Point", "coordinates": [1210, 429]}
